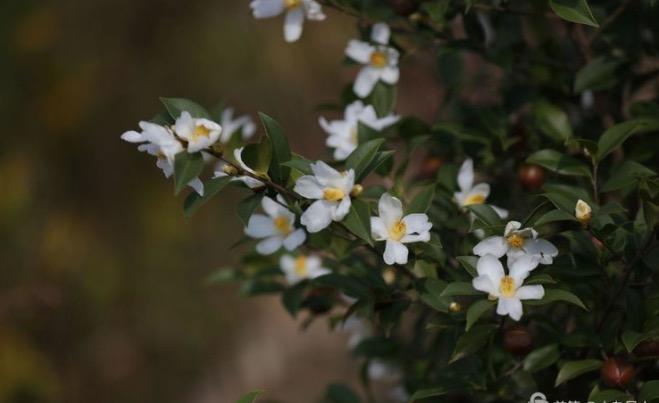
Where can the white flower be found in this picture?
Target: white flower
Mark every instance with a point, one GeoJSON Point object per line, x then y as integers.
{"type": "Point", "coordinates": [508, 289]}
{"type": "Point", "coordinates": [469, 193]}
{"type": "Point", "coordinates": [383, 371]}
{"type": "Point", "coordinates": [247, 180]}
{"type": "Point", "coordinates": [277, 228]}
{"type": "Point", "coordinates": [380, 60]}
{"type": "Point", "coordinates": [343, 134]}
{"type": "Point", "coordinates": [583, 212]}
{"type": "Point", "coordinates": [397, 230]}
{"type": "Point", "coordinates": [198, 132]}
{"type": "Point", "coordinates": [517, 242]}
{"type": "Point", "coordinates": [331, 190]}
{"type": "Point", "coordinates": [301, 268]}
{"type": "Point", "coordinates": [243, 125]}
{"type": "Point", "coordinates": [296, 11]}
{"type": "Point", "coordinates": [357, 328]}
{"type": "Point", "coordinates": [160, 142]}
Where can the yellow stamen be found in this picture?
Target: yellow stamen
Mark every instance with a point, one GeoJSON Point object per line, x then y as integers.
{"type": "Point", "coordinates": [379, 59]}
{"type": "Point", "coordinates": [292, 3]}
{"type": "Point", "coordinates": [301, 266]}
{"type": "Point", "coordinates": [200, 131]}
{"type": "Point", "coordinates": [354, 136]}
{"type": "Point", "coordinates": [515, 241]}
{"type": "Point", "coordinates": [507, 287]}
{"type": "Point", "coordinates": [397, 231]}
{"type": "Point", "coordinates": [333, 194]}
{"type": "Point", "coordinates": [282, 225]}
{"type": "Point", "coordinates": [474, 199]}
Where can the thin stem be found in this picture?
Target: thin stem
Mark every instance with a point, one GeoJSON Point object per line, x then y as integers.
{"type": "Point", "coordinates": [609, 20]}
{"type": "Point", "coordinates": [594, 181]}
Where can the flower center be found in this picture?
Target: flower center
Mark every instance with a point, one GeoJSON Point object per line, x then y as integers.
{"type": "Point", "coordinates": [507, 287]}
{"type": "Point", "coordinates": [354, 136]}
{"type": "Point", "coordinates": [301, 266]}
{"type": "Point", "coordinates": [515, 241]}
{"type": "Point", "coordinates": [333, 194]}
{"type": "Point", "coordinates": [282, 225]}
{"type": "Point", "coordinates": [200, 131]}
{"type": "Point", "coordinates": [379, 59]}
{"type": "Point", "coordinates": [398, 230]}
{"type": "Point", "coordinates": [474, 199]}
{"type": "Point", "coordinates": [292, 3]}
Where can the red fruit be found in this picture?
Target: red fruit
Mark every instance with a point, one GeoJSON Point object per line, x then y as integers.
{"type": "Point", "coordinates": [649, 348]}
{"type": "Point", "coordinates": [518, 340]}
{"type": "Point", "coordinates": [531, 176]}
{"type": "Point", "coordinates": [429, 167]}
{"type": "Point", "coordinates": [597, 243]}
{"type": "Point", "coordinates": [617, 372]}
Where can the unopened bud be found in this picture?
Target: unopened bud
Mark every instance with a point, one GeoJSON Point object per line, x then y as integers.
{"type": "Point", "coordinates": [389, 275]}
{"type": "Point", "coordinates": [356, 190]}
{"type": "Point", "coordinates": [455, 307]}
{"type": "Point", "coordinates": [230, 170]}
{"type": "Point", "coordinates": [583, 212]}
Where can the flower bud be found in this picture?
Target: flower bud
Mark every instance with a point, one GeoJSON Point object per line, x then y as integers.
{"type": "Point", "coordinates": [517, 340]}
{"type": "Point", "coordinates": [617, 372]}
{"type": "Point", "coordinates": [455, 307]}
{"type": "Point", "coordinates": [583, 212]}
{"type": "Point", "coordinates": [389, 275]}
{"type": "Point", "coordinates": [356, 190]}
{"type": "Point", "coordinates": [230, 170]}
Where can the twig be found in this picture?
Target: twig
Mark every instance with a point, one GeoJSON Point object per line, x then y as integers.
{"type": "Point", "coordinates": [609, 20]}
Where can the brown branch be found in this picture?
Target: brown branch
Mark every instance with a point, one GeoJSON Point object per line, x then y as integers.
{"type": "Point", "coordinates": [609, 20]}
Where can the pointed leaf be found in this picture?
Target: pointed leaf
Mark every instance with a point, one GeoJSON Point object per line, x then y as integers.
{"type": "Point", "coordinates": [576, 11]}
{"type": "Point", "coordinates": [541, 358]}
{"type": "Point", "coordinates": [573, 369]}
{"type": "Point", "coordinates": [281, 151]}
{"type": "Point", "coordinates": [360, 160]}
{"type": "Point", "coordinates": [422, 201]}
{"type": "Point", "coordinates": [176, 106]}
{"type": "Point", "coordinates": [476, 310]}
{"type": "Point", "coordinates": [358, 220]}
{"type": "Point", "coordinates": [559, 163]}
{"type": "Point", "coordinates": [211, 188]}
{"type": "Point", "coordinates": [186, 168]}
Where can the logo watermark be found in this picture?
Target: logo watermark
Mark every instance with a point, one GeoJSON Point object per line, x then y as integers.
{"type": "Point", "coordinates": [539, 397]}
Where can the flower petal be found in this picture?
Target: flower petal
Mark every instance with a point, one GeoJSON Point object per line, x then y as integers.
{"type": "Point", "coordinates": [269, 245]}
{"type": "Point", "coordinates": [481, 189]}
{"type": "Point", "coordinates": [378, 230]}
{"type": "Point", "coordinates": [494, 245]}
{"type": "Point", "coordinates": [380, 33]}
{"type": "Point", "coordinates": [293, 24]}
{"type": "Point", "coordinates": [395, 253]}
{"type": "Point", "coordinates": [318, 216]}
{"type": "Point", "coordinates": [390, 75]}
{"type": "Point", "coordinates": [260, 226]}
{"type": "Point", "coordinates": [466, 175]}
{"type": "Point", "coordinates": [359, 51]}
{"type": "Point", "coordinates": [295, 239]}
{"type": "Point", "coordinates": [324, 172]}
{"type": "Point", "coordinates": [133, 137]}
{"type": "Point", "coordinates": [271, 207]}
{"type": "Point", "coordinates": [365, 81]}
{"type": "Point", "coordinates": [197, 185]}
{"type": "Point", "coordinates": [542, 248]}
{"type": "Point", "coordinates": [342, 210]}
{"type": "Point", "coordinates": [511, 226]}
{"type": "Point", "coordinates": [484, 283]}
{"type": "Point", "coordinates": [266, 8]}
{"type": "Point", "coordinates": [530, 292]}
{"type": "Point", "coordinates": [307, 186]}
{"type": "Point", "coordinates": [503, 213]}
{"type": "Point", "coordinates": [390, 209]}
{"type": "Point", "coordinates": [490, 266]}
{"type": "Point", "coordinates": [417, 223]}
{"type": "Point", "coordinates": [520, 268]}
{"type": "Point", "coordinates": [512, 306]}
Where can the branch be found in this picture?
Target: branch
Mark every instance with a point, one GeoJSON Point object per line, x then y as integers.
{"type": "Point", "coordinates": [609, 20]}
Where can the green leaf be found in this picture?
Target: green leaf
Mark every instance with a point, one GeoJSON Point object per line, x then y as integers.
{"type": "Point", "coordinates": [576, 11]}
{"type": "Point", "coordinates": [609, 396]}
{"type": "Point", "coordinates": [281, 151]}
{"type": "Point", "coordinates": [258, 156]}
{"type": "Point", "coordinates": [422, 201]}
{"type": "Point", "coordinates": [472, 341]}
{"type": "Point", "coordinates": [540, 279]}
{"type": "Point", "coordinates": [559, 163]}
{"type": "Point", "coordinates": [486, 214]}
{"type": "Point", "coordinates": [631, 339]}
{"type": "Point", "coordinates": [176, 106]}
{"type": "Point", "coordinates": [649, 391]}
{"type": "Point", "coordinates": [552, 121]}
{"type": "Point", "coordinates": [383, 98]}
{"type": "Point", "coordinates": [211, 188]}
{"type": "Point", "coordinates": [250, 397]}
{"type": "Point", "coordinates": [469, 264]}
{"type": "Point", "coordinates": [476, 310]}
{"type": "Point", "coordinates": [361, 159]}
{"type": "Point", "coordinates": [301, 164]}
{"type": "Point", "coordinates": [554, 216]}
{"type": "Point", "coordinates": [627, 174]}
{"type": "Point", "coordinates": [554, 295]}
{"type": "Point", "coordinates": [615, 136]}
{"type": "Point", "coordinates": [348, 284]}
{"type": "Point", "coordinates": [565, 197]}
{"type": "Point", "coordinates": [186, 168]}
{"type": "Point", "coordinates": [337, 393]}
{"type": "Point", "coordinates": [247, 206]}
{"type": "Point", "coordinates": [459, 288]}
{"type": "Point", "coordinates": [358, 220]}
{"type": "Point", "coordinates": [431, 294]}
{"type": "Point", "coordinates": [599, 74]}
{"type": "Point", "coordinates": [573, 369]}
{"type": "Point", "coordinates": [542, 358]}
{"type": "Point", "coordinates": [431, 392]}
{"type": "Point", "coordinates": [292, 298]}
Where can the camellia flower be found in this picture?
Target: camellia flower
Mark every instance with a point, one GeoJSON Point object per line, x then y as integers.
{"type": "Point", "coordinates": [380, 60]}
{"type": "Point", "coordinates": [301, 268]}
{"type": "Point", "coordinates": [583, 212]}
{"type": "Point", "coordinates": [508, 289]}
{"type": "Point", "coordinates": [160, 142]}
{"type": "Point", "coordinates": [343, 134]}
{"type": "Point", "coordinates": [223, 169]}
{"type": "Point", "coordinates": [242, 125]}
{"type": "Point", "coordinates": [471, 194]}
{"type": "Point", "coordinates": [276, 229]}
{"type": "Point", "coordinates": [296, 11]}
{"type": "Point", "coordinates": [331, 190]}
{"type": "Point", "coordinates": [198, 132]}
{"type": "Point", "coordinates": [517, 242]}
{"type": "Point", "coordinates": [397, 230]}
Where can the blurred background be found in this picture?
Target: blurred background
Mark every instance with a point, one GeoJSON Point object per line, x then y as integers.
{"type": "Point", "coordinates": [102, 293]}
